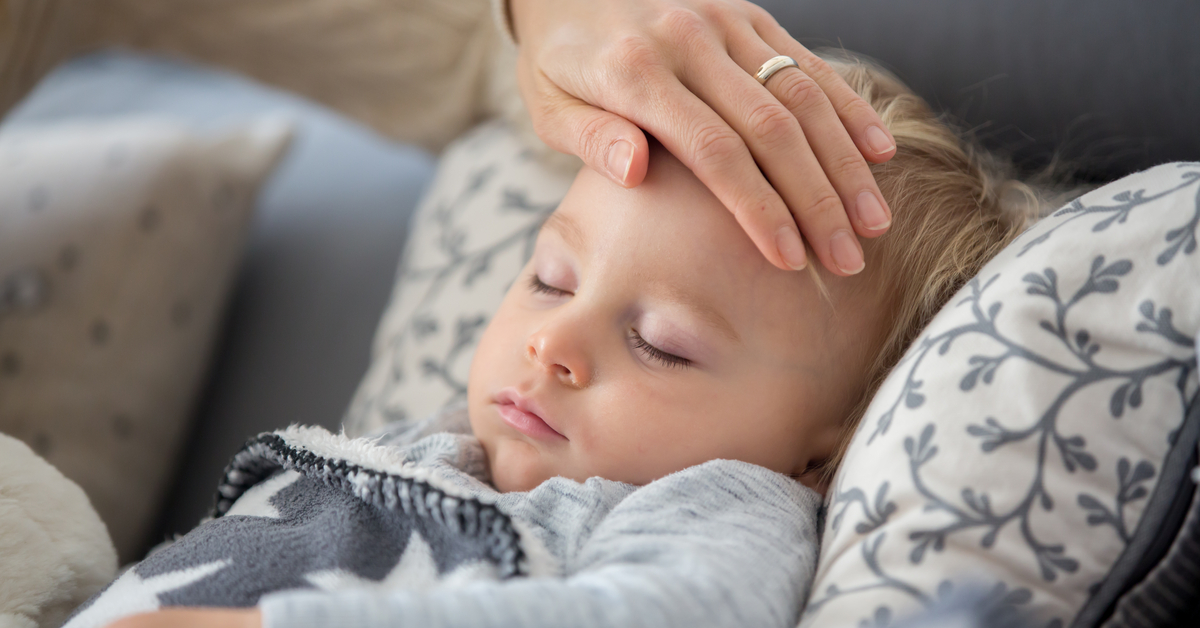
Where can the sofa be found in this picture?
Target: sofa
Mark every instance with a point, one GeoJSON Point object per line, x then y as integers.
{"type": "Point", "coordinates": [1079, 92]}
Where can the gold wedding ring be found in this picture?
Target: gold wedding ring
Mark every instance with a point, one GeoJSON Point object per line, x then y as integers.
{"type": "Point", "coordinates": [773, 65]}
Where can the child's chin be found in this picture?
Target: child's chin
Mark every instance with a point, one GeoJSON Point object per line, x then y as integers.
{"type": "Point", "coordinates": [516, 465]}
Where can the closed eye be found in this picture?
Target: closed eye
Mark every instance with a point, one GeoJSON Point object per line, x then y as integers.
{"type": "Point", "coordinates": [538, 286]}
{"type": "Point", "coordinates": [654, 353]}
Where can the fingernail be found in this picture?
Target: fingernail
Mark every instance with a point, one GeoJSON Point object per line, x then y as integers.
{"type": "Point", "coordinates": [620, 159]}
{"type": "Point", "coordinates": [791, 249]}
{"type": "Point", "coordinates": [871, 213]}
{"type": "Point", "coordinates": [846, 254]}
{"type": "Point", "coordinates": [879, 141]}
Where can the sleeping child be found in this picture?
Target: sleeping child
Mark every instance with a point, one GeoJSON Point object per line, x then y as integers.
{"type": "Point", "coordinates": [652, 415]}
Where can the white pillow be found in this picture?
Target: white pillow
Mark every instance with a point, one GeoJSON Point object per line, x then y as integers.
{"type": "Point", "coordinates": [1032, 443]}
{"type": "Point", "coordinates": [471, 235]}
{"type": "Point", "coordinates": [118, 243]}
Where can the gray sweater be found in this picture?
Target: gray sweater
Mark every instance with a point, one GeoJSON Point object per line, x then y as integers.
{"type": "Point", "coordinates": [322, 530]}
{"type": "Point", "coordinates": [724, 543]}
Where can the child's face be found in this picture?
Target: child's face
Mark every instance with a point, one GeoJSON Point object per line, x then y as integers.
{"type": "Point", "coordinates": [647, 334]}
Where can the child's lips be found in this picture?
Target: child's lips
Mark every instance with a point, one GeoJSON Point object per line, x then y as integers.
{"type": "Point", "coordinates": [522, 415]}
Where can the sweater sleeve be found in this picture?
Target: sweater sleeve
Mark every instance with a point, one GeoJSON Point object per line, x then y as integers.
{"type": "Point", "coordinates": [721, 544]}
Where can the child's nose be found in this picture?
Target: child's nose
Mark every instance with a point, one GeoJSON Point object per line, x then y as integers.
{"type": "Point", "coordinates": [556, 352]}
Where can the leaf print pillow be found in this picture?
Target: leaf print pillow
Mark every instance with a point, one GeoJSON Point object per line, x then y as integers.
{"type": "Point", "coordinates": [1034, 444]}
{"type": "Point", "coordinates": [471, 235]}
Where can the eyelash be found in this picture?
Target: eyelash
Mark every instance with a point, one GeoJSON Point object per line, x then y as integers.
{"type": "Point", "coordinates": [537, 285]}
{"type": "Point", "coordinates": [666, 359]}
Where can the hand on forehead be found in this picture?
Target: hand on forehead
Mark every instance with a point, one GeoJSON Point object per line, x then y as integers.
{"type": "Point", "coordinates": [672, 238]}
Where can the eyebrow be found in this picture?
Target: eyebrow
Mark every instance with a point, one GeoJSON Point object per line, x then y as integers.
{"type": "Point", "coordinates": [704, 311]}
{"type": "Point", "coordinates": [566, 227]}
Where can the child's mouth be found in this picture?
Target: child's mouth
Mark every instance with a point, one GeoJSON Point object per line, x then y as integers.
{"type": "Point", "coordinates": [521, 414]}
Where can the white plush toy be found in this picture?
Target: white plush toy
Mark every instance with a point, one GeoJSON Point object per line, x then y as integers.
{"type": "Point", "coordinates": [55, 552]}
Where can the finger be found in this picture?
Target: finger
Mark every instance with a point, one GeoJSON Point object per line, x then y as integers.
{"type": "Point", "coordinates": [606, 142]}
{"type": "Point", "coordinates": [870, 134]}
{"type": "Point", "coordinates": [699, 138]}
{"type": "Point", "coordinates": [840, 159]}
{"type": "Point", "coordinates": [780, 147]}
{"type": "Point", "coordinates": [651, 97]}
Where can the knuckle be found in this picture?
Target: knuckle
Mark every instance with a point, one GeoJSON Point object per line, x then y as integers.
{"type": "Point", "coordinates": [824, 209]}
{"type": "Point", "coordinates": [772, 123]}
{"type": "Point", "coordinates": [816, 67]}
{"type": "Point", "coordinates": [855, 109]}
{"type": "Point", "coordinates": [629, 57]}
{"type": "Point", "coordinates": [593, 137]}
{"type": "Point", "coordinates": [759, 17]}
{"type": "Point", "coordinates": [716, 12]}
{"type": "Point", "coordinates": [682, 26]}
{"type": "Point", "coordinates": [714, 146]}
{"type": "Point", "coordinates": [759, 211]}
{"type": "Point", "coordinates": [799, 92]}
{"type": "Point", "coordinates": [844, 164]}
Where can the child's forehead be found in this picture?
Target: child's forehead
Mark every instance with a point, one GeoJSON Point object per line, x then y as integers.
{"type": "Point", "coordinates": [671, 219]}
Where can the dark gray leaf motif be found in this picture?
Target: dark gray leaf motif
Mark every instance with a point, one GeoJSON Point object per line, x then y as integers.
{"type": "Point", "coordinates": [883, 580]}
{"type": "Point", "coordinates": [1131, 487]}
{"type": "Point", "coordinates": [973, 509]}
{"type": "Point", "coordinates": [977, 511]}
{"type": "Point", "coordinates": [876, 514]}
{"type": "Point", "coordinates": [1182, 238]}
{"type": "Point", "coordinates": [1162, 324]}
{"type": "Point", "coordinates": [424, 325]}
{"type": "Point", "coordinates": [477, 267]}
{"type": "Point", "coordinates": [881, 619]}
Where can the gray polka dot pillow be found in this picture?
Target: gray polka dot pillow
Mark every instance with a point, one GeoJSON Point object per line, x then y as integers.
{"type": "Point", "coordinates": [118, 243]}
{"type": "Point", "coordinates": [471, 235]}
{"type": "Point", "coordinates": [1034, 444]}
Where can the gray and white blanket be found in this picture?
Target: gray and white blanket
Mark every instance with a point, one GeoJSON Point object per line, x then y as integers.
{"type": "Point", "coordinates": [318, 529]}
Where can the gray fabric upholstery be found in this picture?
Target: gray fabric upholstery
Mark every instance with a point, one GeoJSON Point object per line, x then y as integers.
{"type": "Point", "coordinates": [1109, 85]}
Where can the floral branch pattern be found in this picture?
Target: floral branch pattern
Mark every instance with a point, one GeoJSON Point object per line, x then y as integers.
{"type": "Point", "coordinates": [1074, 354]}
{"type": "Point", "coordinates": [1179, 239]}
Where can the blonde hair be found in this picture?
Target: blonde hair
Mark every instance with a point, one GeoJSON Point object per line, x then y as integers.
{"type": "Point", "coordinates": [954, 207]}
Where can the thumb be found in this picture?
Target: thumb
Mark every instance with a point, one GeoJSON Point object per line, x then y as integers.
{"type": "Point", "coordinates": [606, 142]}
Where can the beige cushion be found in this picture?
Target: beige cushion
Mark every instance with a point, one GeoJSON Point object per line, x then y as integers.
{"type": "Point", "coordinates": [118, 243]}
{"type": "Point", "coordinates": [415, 70]}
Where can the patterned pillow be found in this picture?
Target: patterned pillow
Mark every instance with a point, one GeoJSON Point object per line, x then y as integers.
{"type": "Point", "coordinates": [1034, 443]}
{"type": "Point", "coordinates": [471, 235]}
{"type": "Point", "coordinates": [118, 242]}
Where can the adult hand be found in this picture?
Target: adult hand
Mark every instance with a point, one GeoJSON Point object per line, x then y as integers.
{"type": "Point", "coordinates": [592, 73]}
{"type": "Point", "coordinates": [193, 618]}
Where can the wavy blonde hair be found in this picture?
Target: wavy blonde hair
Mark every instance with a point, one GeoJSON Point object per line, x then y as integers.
{"type": "Point", "coordinates": [954, 207]}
